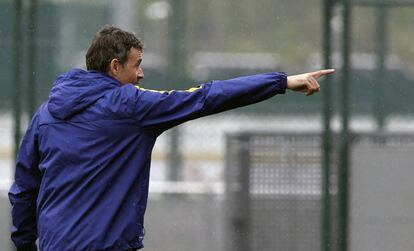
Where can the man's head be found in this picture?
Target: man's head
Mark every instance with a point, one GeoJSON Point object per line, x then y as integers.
{"type": "Point", "coordinates": [116, 52]}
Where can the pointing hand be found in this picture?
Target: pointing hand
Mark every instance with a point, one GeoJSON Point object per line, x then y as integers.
{"type": "Point", "coordinates": [307, 82]}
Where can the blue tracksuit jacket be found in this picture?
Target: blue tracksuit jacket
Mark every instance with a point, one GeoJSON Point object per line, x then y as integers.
{"type": "Point", "coordinates": [82, 172]}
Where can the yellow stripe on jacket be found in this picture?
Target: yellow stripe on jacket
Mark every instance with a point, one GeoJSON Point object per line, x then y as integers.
{"type": "Point", "coordinates": [193, 89]}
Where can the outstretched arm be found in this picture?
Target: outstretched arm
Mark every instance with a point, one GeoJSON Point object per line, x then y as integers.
{"type": "Point", "coordinates": [307, 82]}
{"type": "Point", "coordinates": [161, 110]}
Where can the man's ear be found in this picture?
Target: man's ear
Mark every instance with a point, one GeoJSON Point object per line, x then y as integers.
{"type": "Point", "coordinates": [114, 67]}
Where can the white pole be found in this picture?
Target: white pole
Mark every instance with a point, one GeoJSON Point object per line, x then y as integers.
{"type": "Point", "coordinates": [124, 14]}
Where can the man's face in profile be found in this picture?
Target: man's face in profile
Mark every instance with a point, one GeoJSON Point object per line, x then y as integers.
{"type": "Point", "coordinates": [131, 71]}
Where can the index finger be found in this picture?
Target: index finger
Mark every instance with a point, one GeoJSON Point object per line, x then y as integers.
{"type": "Point", "coordinates": [320, 73]}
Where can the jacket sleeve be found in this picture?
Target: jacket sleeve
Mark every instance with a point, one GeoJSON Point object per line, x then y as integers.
{"type": "Point", "coordinates": [23, 192]}
{"type": "Point", "coordinates": [161, 110]}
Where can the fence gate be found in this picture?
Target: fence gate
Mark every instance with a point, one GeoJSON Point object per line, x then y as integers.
{"type": "Point", "coordinates": [274, 198]}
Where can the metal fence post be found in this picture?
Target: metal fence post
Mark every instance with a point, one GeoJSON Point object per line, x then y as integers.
{"type": "Point", "coordinates": [327, 136]}
{"type": "Point", "coordinates": [245, 194]}
{"type": "Point", "coordinates": [32, 45]}
{"type": "Point", "coordinates": [343, 171]}
{"type": "Point", "coordinates": [381, 21]}
{"type": "Point", "coordinates": [16, 105]}
{"type": "Point", "coordinates": [241, 193]}
{"type": "Point", "coordinates": [17, 49]}
{"type": "Point", "coordinates": [176, 73]}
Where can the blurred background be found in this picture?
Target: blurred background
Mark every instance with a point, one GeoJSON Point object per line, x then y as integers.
{"type": "Point", "coordinates": [333, 171]}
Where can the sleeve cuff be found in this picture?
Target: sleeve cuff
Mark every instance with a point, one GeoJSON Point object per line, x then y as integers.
{"type": "Point", "coordinates": [27, 247]}
{"type": "Point", "coordinates": [282, 82]}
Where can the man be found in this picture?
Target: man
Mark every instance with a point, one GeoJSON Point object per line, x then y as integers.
{"type": "Point", "coordinates": [82, 172]}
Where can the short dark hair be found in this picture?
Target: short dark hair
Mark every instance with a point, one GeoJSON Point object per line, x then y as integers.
{"type": "Point", "coordinates": [109, 43]}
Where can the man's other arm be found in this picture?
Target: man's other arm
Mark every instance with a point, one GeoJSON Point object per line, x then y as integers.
{"type": "Point", "coordinates": [24, 191]}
